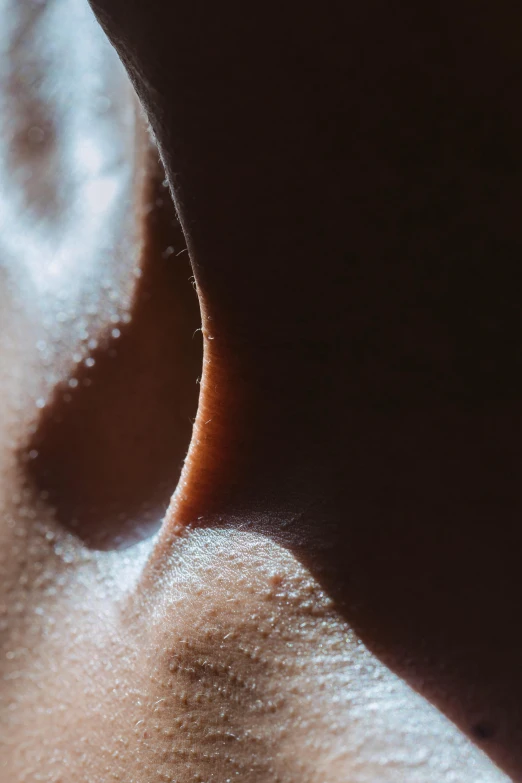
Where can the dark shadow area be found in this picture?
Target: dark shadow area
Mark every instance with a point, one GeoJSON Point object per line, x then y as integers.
{"type": "Point", "coordinates": [110, 450]}
{"type": "Point", "coordinates": [418, 540]}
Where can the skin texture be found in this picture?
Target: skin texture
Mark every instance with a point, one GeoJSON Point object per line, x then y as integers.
{"type": "Point", "coordinates": [337, 570]}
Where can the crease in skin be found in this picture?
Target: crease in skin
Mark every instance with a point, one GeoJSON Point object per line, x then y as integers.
{"type": "Point", "coordinates": [110, 449]}
{"type": "Point", "coordinates": [214, 667]}
{"type": "Point", "coordinates": [374, 143]}
{"type": "Point", "coordinates": [231, 661]}
{"type": "Point", "coordinates": [109, 369]}
{"type": "Point", "coordinates": [280, 670]}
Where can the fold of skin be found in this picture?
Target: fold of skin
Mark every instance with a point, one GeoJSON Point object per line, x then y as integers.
{"type": "Point", "coordinates": [332, 526]}
{"type": "Point", "coordinates": [348, 179]}
{"type": "Point", "coordinates": [78, 178]}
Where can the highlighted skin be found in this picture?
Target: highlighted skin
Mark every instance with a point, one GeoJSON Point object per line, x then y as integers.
{"type": "Point", "coordinates": [318, 604]}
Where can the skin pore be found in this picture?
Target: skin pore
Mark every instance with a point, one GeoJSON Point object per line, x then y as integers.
{"type": "Point", "coordinates": [337, 570]}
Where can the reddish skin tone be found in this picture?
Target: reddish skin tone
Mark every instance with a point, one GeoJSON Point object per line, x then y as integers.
{"type": "Point", "coordinates": [360, 402]}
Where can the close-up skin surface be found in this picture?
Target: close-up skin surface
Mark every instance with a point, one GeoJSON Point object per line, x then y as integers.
{"type": "Point", "coordinates": [292, 556]}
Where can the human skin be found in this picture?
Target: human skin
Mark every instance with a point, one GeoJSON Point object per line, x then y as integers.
{"type": "Point", "coordinates": [346, 519]}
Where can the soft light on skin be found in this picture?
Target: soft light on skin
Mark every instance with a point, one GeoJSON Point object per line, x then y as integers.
{"type": "Point", "coordinates": [69, 192]}
{"type": "Point", "coordinates": [68, 159]}
{"type": "Point", "coordinates": [210, 655]}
